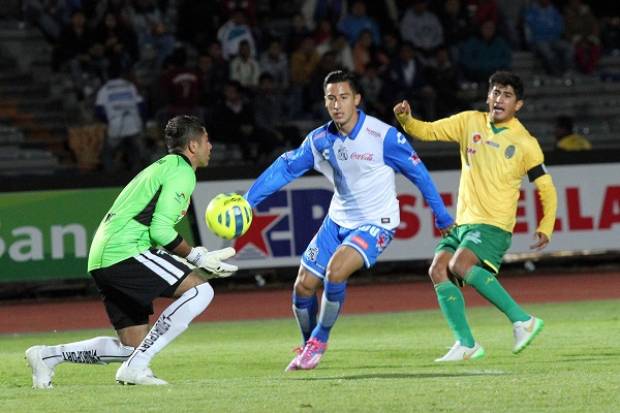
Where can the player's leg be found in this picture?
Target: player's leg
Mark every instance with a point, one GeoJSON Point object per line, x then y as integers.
{"type": "Point", "coordinates": [477, 261]}
{"type": "Point", "coordinates": [451, 300]}
{"type": "Point", "coordinates": [311, 274]}
{"type": "Point", "coordinates": [360, 247]}
{"type": "Point", "coordinates": [305, 307]}
{"type": "Point", "coordinates": [305, 303]}
{"type": "Point", "coordinates": [99, 350]}
{"type": "Point", "coordinates": [193, 295]}
{"type": "Point", "coordinates": [343, 263]}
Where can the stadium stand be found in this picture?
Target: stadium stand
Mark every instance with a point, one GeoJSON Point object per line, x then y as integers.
{"type": "Point", "coordinates": [41, 102]}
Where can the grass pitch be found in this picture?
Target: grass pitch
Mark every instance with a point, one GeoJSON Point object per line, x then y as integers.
{"type": "Point", "coordinates": [375, 363]}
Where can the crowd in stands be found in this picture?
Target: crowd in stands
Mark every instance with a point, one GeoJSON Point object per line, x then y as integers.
{"type": "Point", "coordinates": [250, 68]}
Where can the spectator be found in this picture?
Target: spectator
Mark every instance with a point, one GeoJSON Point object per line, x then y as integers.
{"type": "Point", "coordinates": [544, 31]}
{"type": "Point", "coordinates": [323, 36]}
{"type": "Point", "coordinates": [270, 114]}
{"type": "Point", "coordinates": [121, 108]}
{"type": "Point", "coordinates": [119, 41]}
{"type": "Point", "coordinates": [357, 21]}
{"type": "Point", "coordinates": [275, 62]}
{"type": "Point", "coordinates": [220, 69]}
{"type": "Point", "coordinates": [373, 92]}
{"type": "Point", "coordinates": [236, 124]}
{"type": "Point", "coordinates": [407, 81]}
{"type": "Point", "coordinates": [232, 33]}
{"type": "Point", "coordinates": [482, 55]}
{"type": "Point", "coordinates": [481, 11]}
{"type": "Point", "coordinates": [244, 68]}
{"type": "Point", "coordinates": [181, 88]}
{"type": "Point", "coordinates": [582, 29]}
{"type": "Point", "coordinates": [72, 50]}
{"type": "Point", "coordinates": [362, 52]}
{"type": "Point", "coordinates": [313, 11]}
{"type": "Point", "coordinates": [445, 78]}
{"type": "Point", "coordinates": [304, 61]}
{"type": "Point", "coordinates": [422, 28]}
{"type": "Point", "coordinates": [48, 15]}
{"type": "Point", "coordinates": [152, 28]}
{"type": "Point", "coordinates": [511, 21]}
{"type": "Point", "coordinates": [455, 22]}
{"type": "Point", "coordinates": [611, 34]}
{"type": "Point", "coordinates": [297, 32]}
{"type": "Point", "coordinates": [343, 52]}
{"type": "Point", "coordinates": [565, 137]}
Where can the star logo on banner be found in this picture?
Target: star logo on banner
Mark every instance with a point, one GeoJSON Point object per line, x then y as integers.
{"type": "Point", "coordinates": [256, 234]}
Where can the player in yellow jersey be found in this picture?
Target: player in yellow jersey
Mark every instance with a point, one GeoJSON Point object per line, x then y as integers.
{"type": "Point", "coordinates": [496, 152]}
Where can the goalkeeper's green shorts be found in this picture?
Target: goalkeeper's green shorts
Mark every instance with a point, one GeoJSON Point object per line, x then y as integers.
{"type": "Point", "coordinates": [487, 242]}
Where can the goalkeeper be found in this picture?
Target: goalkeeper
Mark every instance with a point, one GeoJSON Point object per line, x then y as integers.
{"type": "Point", "coordinates": [496, 153]}
{"type": "Point", "coordinates": [130, 272]}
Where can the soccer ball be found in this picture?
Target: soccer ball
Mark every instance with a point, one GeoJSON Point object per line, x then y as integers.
{"type": "Point", "coordinates": [228, 215]}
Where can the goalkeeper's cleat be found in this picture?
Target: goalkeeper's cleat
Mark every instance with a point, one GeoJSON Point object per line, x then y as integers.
{"type": "Point", "coordinates": [41, 373]}
{"type": "Point", "coordinates": [311, 355]}
{"type": "Point", "coordinates": [525, 332]}
{"type": "Point", "coordinates": [459, 352]}
{"type": "Point", "coordinates": [129, 375]}
{"type": "Point", "coordinates": [294, 364]}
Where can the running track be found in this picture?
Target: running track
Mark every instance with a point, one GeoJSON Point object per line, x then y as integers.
{"type": "Point", "coordinates": [369, 298]}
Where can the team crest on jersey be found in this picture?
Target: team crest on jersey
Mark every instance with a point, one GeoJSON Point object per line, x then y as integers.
{"type": "Point", "coordinates": [476, 137]}
{"type": "Point", "coordinates": [415, 159]}
{"type": "Point", "coordinates": [510, 151]}
{"type": "Point", "coordinates": [325, 154]}
{"type": "Point", "coordinates": [342, 153]}
{"type": "Point", "coordinates": [312, 253]}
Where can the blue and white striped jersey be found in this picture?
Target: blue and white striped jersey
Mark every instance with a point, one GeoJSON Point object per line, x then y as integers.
{"type": "Point", "coordinates": [361, 166]}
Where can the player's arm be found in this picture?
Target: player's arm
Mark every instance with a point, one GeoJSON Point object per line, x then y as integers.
{"type": "Point", "coordinates": [537, 173]}
{"type": "Point", "coordinates": [400, 156]}
{"type": "Point", "coordinates": [448, 129]}
{"type": "Point", "coordinates": [287, 167]}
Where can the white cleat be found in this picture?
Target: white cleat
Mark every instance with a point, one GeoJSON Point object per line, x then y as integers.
{"type": "Point", "coordinates": [525, 331]}
{"type": "Point", "coordinates": [41, 373]}
{"type": "Point", "coordinates": [462, 353]}
{"type": "Point", "coordinates": [128, 375]}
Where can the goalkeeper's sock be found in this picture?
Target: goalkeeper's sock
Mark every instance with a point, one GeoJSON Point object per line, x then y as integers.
{"type": "Point", "coordinates": [331, 305]}
{"type": "Point", "coordinates": [171, 323]}
{"type": "Point", "coordinates": [489, 287]}
{"type": "Point", "coordinates": [452, 304]}
{"type": "Point", "coordinates": [304, 309]}
{"type": "Point", "coordinates": [98, 350]}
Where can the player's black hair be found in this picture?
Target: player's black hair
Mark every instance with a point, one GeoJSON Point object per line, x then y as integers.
{"type": "Point", "coordinates": [505, 78]}
{"type": "Point", "coordinates": [180, 130]}
{"type": "Point", "coordinates": [338, 76]}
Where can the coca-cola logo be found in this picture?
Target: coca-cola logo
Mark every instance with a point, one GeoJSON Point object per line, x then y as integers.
{"type": "Point", "coordinates": [366, 156]}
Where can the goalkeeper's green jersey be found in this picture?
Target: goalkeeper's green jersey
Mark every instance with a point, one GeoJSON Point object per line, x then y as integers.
{"type": "Point", "coordinates": [145, 212]}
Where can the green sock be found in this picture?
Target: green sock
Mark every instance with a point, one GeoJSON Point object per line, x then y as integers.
{"type": "Point", "coordinates": [452, 306]}
{"type": "Point", "coordinates": [487, 285]}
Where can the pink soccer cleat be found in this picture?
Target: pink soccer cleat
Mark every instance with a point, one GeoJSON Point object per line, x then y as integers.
{"type": "Point", "coordinates": [294, 364]}
{"type": "Point", "coordinates": [310, 357]}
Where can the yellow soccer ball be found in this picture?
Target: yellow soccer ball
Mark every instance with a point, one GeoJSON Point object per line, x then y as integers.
{"type": "Point", "coordinates": [228, 215]}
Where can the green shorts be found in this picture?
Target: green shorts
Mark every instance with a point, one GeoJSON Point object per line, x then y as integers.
{"type": "Point", "coordinates": [487, 242]}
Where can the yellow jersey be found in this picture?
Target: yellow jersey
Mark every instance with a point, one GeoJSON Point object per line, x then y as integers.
{"type": "Point", "coordinates": [494, 159]}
